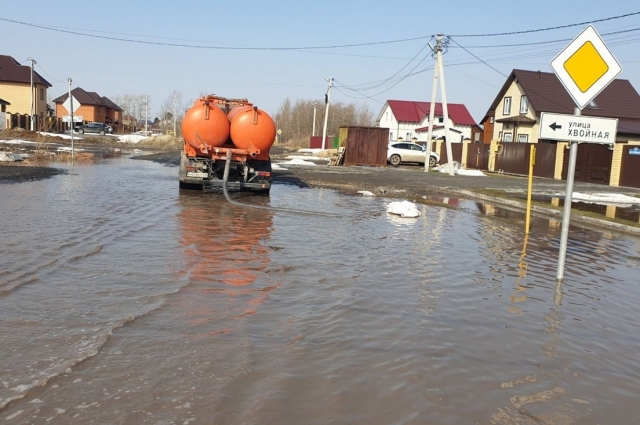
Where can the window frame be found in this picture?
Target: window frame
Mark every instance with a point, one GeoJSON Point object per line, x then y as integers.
{"type": "Point", "coordinates": [506, 105]}
{"type": "Point", "coordinates": [524, 104]}
{"type": "Point", "coordinates": [526, 138]}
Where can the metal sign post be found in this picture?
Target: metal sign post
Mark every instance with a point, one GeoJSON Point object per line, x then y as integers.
{"type": "Point", "coordinates": [71, 110]}
{"type": "Point", "coordinates": [585, 67]}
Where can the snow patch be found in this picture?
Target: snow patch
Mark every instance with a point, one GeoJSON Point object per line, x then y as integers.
{"type": "Point", "coordinates": [366, 193]}
{"type": "Point", "coordinates": [298, 162]}
{"type": "Point", "coordinates": [403, 209]}
{"type": "Point", "coordinates": [604, 198]}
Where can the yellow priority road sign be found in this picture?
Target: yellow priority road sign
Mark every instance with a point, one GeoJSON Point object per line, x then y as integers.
{"type": "Point", "coordinates": [585, 67]}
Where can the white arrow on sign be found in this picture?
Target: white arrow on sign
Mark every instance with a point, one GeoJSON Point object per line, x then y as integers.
{"type": "Point", "coordinates": [67, 105]}
{"type": "Point", "coordinates": [572, 128]}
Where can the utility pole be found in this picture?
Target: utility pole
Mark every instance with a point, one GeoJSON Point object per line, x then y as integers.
{"type": "Point", "coordinates": [175, 101]}
{"type": "Point", "coordinates": [432, 108]}
{"type": "Point", "coordinates": [313, 133]}
{"type": "Point", "coordinates": [439, 73]}
{"type": "Point", "coordinates": [327, 99]}
{"type": "Point", "coordinates": [33, 62]}
{"type": "Point", "coordinates": [71, 115]}
{"type": "Point", "coordinates": [146, 114]}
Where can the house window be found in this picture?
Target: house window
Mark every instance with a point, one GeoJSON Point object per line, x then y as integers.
{"type": "Point", "coordinates": [500, 136]}
{"type": "Point", "coordinates": [441, 120]}
{"type": "Point", "coordinates": [523, 138]}
{"type": "Point", "coordinates": [524, 105]}
{"type": "Point", "coordinates": [476, 137]}
{"type": "Point", "coordinates": [386, 116]}
{"type": "Point", "coordinates": [41, 94]}
{"type": "Point", "coordinates": [506, 106]}
{"type": "Point", "coordinates": [491, 120]}
{"type": "Point", "coordinates": [507, 137]}
{"type": "Point", "coordinates": [391, 135]}
{"type": "Point", "coordinates": [409, 136]}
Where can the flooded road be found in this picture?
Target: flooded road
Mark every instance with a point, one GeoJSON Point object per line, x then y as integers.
{"type": "Point", "coordinates": [125, 301]}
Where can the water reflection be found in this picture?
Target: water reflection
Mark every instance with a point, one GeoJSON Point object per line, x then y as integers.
{"type": "Point", "coordinates": [226, 253]}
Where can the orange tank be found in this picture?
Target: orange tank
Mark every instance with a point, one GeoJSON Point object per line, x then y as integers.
{"type": "Point", "coordinates": [205, 125]}
{"type": "Point", "coordinates": [252, 128]}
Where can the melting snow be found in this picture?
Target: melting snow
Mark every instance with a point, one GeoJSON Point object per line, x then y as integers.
{"type": "Point", "coordinates": [298, 162]}
{"type": "Point", "coordinates": [403, 209]}
{"type": "Point", "coordinates": [605, 198]}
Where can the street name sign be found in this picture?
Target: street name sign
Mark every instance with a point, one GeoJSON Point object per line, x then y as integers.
{"type": "Point", "coordinates": [76, 118]}
{"type": "Point", "coordinates": [585, 67]}
{"type": "Point", "coordinates": [67, 106]}
{"type": "Point", "coordinates": [578, 128]}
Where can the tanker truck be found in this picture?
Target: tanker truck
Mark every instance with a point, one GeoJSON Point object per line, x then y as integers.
{"type": "Point", "coordinates": [216, 128]}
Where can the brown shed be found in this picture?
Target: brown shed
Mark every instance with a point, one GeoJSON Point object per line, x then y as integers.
{"type": "Point", "coordinates": [364, 145]}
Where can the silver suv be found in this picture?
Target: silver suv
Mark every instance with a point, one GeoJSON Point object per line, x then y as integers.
{"type": "Point", "coordinates": [398, 152]}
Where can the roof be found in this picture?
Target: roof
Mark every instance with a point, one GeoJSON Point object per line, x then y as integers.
{"type": "Point", "coordinates": [110, 103]}
{"type": "Point", "coordinates": [518, 119]}
{"type": "Point", "coordinates": [4, 102]}
{"type": "Point", "coordinates": [413, 111]}
{"type": "Point", "coordinates": [88, 98]}
{"type": "Point", "coordinates": [12, 71]}
{"type": "Point", "coordinates": [629, 127]}
{"type": "Point", "coordinates": [547, 94]}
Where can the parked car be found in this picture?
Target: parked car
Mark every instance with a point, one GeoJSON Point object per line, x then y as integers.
{"type": "Point", "coordinates": [398, 152]}
{"type": "Point", "coordinates": [94, 127]}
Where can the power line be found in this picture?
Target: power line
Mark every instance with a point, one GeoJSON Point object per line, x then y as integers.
{"type": "Point", "coordinates": [463, 48]}
{"type": "Point", "coordinates": [548, 28]}
{"type": "Point", "coordinates": [194, 46]}
{"type": "Point", "coordinates": [49, 75]}
{"type": "Point", "coordinates": [536, 43]}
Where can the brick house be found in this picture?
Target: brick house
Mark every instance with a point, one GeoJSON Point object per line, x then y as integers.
{"type": "Point", "coordinates": [93, 107]}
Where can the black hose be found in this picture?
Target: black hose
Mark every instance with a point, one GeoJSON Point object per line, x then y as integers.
{"type": "Point", "coordinates": [225, 177]}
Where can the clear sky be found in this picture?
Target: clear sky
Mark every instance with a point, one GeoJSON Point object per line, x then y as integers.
{"type": "Point", "coordinates": [251, 33]}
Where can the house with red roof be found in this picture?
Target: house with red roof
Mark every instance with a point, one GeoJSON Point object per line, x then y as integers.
{"type": "Point", "coordinates": [93, 107]}
{"type": "Point", "coordinates": [409, 120]}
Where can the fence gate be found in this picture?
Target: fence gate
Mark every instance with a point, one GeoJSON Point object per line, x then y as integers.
{"type": "Point", "coordinates": [478, 156]}
{"type": "Point", "coordinates": [593, 163]}
{"type": "Point", "coordinates": [630, 172]}
{"type": "Point", "coordinates": [456, 151]}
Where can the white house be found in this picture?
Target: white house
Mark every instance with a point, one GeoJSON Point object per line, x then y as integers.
{"type": "Point", "coordinates": [410, 119]}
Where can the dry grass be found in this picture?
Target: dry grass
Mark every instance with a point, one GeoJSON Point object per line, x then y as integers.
{"type": "Point", "coordinates": [295, 144]}
{"type": "Point", "coordinates": [164, 142]}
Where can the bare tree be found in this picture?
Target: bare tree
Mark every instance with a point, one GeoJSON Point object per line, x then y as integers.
{"type": "Point", "coordinates": [296, 121]}
{"type": "Point", "coordinates": [171, 111]}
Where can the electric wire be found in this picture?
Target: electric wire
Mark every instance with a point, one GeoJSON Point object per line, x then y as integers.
{"type": "Point", "coordinates": [195, 46]}
{"type": "Point", "coordinates": [548, 28]}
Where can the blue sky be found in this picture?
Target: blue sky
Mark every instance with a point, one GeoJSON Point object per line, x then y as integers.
{"type": "Point", "coordinates": [267, 77]}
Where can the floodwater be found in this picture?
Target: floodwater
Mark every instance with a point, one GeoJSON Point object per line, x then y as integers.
{"type": "Point", "coordinates": [126, 301]}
